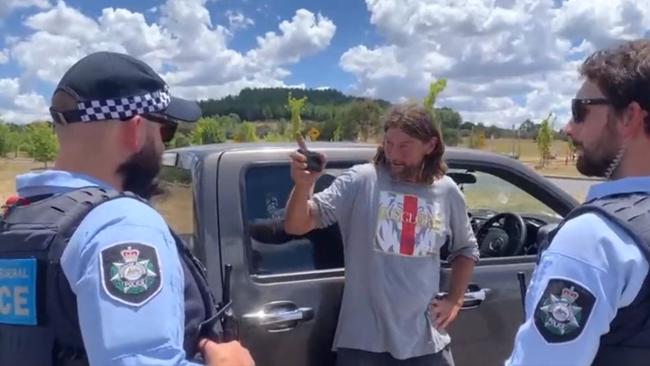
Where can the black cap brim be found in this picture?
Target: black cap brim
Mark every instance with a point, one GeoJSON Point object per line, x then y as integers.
{"type": "Point", "coordinates": [183, 110]}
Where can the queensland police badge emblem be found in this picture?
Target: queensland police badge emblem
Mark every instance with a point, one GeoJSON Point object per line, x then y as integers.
{"type": "Point", "coordinates": [131, 272]}
{"type": "Point", "coordinates": [563, 310]}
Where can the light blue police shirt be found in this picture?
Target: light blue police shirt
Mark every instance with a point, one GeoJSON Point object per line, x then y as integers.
{"type": "Point", "coordinates": [117, 332]}
{"type": "Point", "coordinates": [589, 262]}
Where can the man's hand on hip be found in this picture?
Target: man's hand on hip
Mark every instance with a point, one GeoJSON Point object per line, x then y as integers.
{"type": "Point", "coordinates": [443, 312]}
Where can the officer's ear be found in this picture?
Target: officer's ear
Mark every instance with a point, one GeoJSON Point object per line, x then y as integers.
{"type": "Point", "coordinates": [633, 118]}
{"type": "Point", "coordinates": [133, 133]}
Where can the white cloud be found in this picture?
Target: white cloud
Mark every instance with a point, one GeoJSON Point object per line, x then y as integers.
{"type": "Point", "coordinates": [505, 61]}
{"type": "Point", "coordinates": [604, 24]}
{"type": "Point", "coordinates": [190, 52]}
{"type": "Point", "coordinates": [20, 107]}
{"type": "Point", "coordinates": [8, 6]}
{"type": "Point", "coordinates": [304, 35]}
{"type": "Point", "coordinates": [4, 56]}
{"type": "Point", "coordinates": [9, 88]}
{"type": "Point", "coordinates": [238, 21]}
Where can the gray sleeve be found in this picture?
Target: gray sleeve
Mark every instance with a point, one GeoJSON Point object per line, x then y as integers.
{"type": "Point", "coordinates": [336, 201]}
{"type": "Point", "coordinates": [463, 241]}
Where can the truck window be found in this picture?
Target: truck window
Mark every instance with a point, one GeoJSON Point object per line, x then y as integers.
{"type": "Point", "coordinates": [273, 251]}
{"type": "Point", "coordinates": [175, 203]}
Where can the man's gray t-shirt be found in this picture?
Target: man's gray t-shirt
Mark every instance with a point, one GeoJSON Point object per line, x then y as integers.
{"type": "Point", "coordinates": [392, 233]}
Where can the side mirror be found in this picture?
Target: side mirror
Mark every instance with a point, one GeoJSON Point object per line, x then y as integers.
{"type": "Point", "coordinates": [170, 159]}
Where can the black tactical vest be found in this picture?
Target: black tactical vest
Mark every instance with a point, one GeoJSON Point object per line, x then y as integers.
{"type": "Point", "coordinates": [628, 341]}
{"type": "Point", "coordinates": [38, 310]}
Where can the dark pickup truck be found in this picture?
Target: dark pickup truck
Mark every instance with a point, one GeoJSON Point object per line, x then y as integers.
{"type": "Point", "coordinates": [227, 201]}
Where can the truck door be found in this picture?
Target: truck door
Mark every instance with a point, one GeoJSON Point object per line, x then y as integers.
{"type": "Point", "coordinates": [285, 289]}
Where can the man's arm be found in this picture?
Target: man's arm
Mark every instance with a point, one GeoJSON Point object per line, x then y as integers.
{"type": "Point", "coordinates": [463, 254]}
{"type": "Point", "coordinates": [461, 273]}
{"type": "Point", "coordinates": [123, 266]}
{"type": "Point", "coordinates": [301, 213]}
{"type": "Point", "coordinates": [305, 211]}
{"type": "Point", "coordinates": [590, 270]}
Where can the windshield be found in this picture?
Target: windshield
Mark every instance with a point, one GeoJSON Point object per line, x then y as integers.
{"type": "Point", "coordinates": [494, 193]}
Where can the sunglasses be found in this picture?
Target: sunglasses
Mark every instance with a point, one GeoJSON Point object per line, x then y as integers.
{"type": "Point", "coordinates": [168, 129]}
{"type": "Point", "coordinates": [579, 107]}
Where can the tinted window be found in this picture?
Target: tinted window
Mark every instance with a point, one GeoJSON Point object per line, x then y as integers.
{"type": "Point", "coordinates": [272, 250]}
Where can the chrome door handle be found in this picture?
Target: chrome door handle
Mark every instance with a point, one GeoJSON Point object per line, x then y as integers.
{"type": "Point", "coordinates": [279, 316]}
{"type": "Point", "coordinates": [473, 299]}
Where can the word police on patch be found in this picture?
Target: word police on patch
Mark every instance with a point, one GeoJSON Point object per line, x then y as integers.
{"type": "Point", "coordinates": [18, 291]}
{"type": "Point", "coordinates": [563, 310]}
{"type": "Point", "coordinates": [131, 272]}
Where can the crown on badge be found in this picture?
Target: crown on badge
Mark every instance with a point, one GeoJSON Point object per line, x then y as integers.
{"type": "Point", "coordinates": [130, 255]}
{"type": "Point", "coordinates": [569, 294]}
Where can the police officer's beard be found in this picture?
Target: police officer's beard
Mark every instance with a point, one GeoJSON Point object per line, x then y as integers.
{"type": "Point", "coordinates": [602, 159]}
{"type": "Point", "coordinates": [139, 172]}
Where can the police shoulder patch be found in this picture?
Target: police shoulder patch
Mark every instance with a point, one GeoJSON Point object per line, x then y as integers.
{"type": "Point", "coordinates": [563, 310]}
{"type": "Point", "coordinates": [130, 272]}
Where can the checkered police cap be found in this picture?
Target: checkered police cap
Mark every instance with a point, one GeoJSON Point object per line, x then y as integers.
{"type": "Point", "coordinates": [114, 86]}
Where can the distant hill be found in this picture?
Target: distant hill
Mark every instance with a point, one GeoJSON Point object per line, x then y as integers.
{"type": "Point", "coordinates": [270, 103]}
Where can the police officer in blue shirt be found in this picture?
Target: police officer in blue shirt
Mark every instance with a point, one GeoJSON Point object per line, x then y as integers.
{"type": "Point", "coordinates": [117, 287]}
{"type": "Point", "coordinates": [589, 299]}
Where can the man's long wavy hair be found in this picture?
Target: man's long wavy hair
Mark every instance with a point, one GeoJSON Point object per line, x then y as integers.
{"type": "Point", "coordinates": [418, 123]}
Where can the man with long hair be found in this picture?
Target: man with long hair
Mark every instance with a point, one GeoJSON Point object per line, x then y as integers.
{"type": "Point", "coordinates": [589, 298]}
{"type": "Point", "coordinates": [395, 214]}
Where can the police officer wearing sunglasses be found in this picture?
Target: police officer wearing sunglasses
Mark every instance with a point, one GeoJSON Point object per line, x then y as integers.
{"type": "Point", "coordinates": [589, 299]}
{"type": "Point", "coordinates": [90, 273]}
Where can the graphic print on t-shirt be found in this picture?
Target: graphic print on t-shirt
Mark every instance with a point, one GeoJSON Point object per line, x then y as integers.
{"type": "Point", "coordinates": [408, 225]}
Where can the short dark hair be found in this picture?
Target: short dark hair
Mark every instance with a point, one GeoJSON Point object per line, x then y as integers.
{"type": "Point", "coordinates": [622, 73]}
{"type": "Point", "coordinates": [417, 122]}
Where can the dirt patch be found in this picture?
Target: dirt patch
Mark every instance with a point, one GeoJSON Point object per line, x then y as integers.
{"type": "Point", "coordinates": [9, 169]}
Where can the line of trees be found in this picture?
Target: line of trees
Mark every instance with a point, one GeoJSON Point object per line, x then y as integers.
{"type": "Point", "coordinates": [329, 116]}
{"type": "Point", "coordinates": [36, 139]}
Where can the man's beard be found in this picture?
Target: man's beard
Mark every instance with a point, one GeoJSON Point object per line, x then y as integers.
{"type": "Point", "coordinates": [403, 172]}
{"type": "Point", "coordinates": [139, 172]}
{"type": "Point", "coordinates": [595, 161]}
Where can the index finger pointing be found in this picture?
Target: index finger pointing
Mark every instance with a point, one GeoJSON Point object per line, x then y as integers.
{"type": "Point", "coordinates": [301, 142]}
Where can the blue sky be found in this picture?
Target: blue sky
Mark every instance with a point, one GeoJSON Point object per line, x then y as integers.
{"type": "Point", "coordinates": [505, 60]}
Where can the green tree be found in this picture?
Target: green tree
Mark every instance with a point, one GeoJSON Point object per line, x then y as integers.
{"type": "Point", "coordinates": [295, 106]}
{"type": "Point", "coordinates": [17, 141]}
{"type": "Point", "coordinates": [366, 115]}
{"type": "Point", "coordinates": [5, 135]}
{"type": "Point", "coordinates": [435, 88]}
{"type": "Point", "coordinates": [477, 138]}
{"type": "Point", "coordinates": [451, 136]}
{"type": "Point", "coordinates": [544, 139]}
{"type": "Point", "coordinates": [449, 118]}
{"type": "Point", "coordinates": [528, 129]}
{"type": "Point", "coordinates": [246, 132]}
{"type": "Point", "coordinates": [267, 112]}
{"type": "Point", "coordinates": [181, 140]}
{"type": "Point", "coordinates": [42, 143]}
{"type": "Point", "coordinates": [328, 130]}
{"type": "Point", "coordinates": [347, 128]}
{"type": "Point", "coordinates": [208, 131]}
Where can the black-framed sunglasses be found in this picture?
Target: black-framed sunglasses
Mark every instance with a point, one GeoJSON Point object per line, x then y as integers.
{"type": "Point", "coordinates": [168, 129]}
{"type": "Point", "coordinates": [579, 107]}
